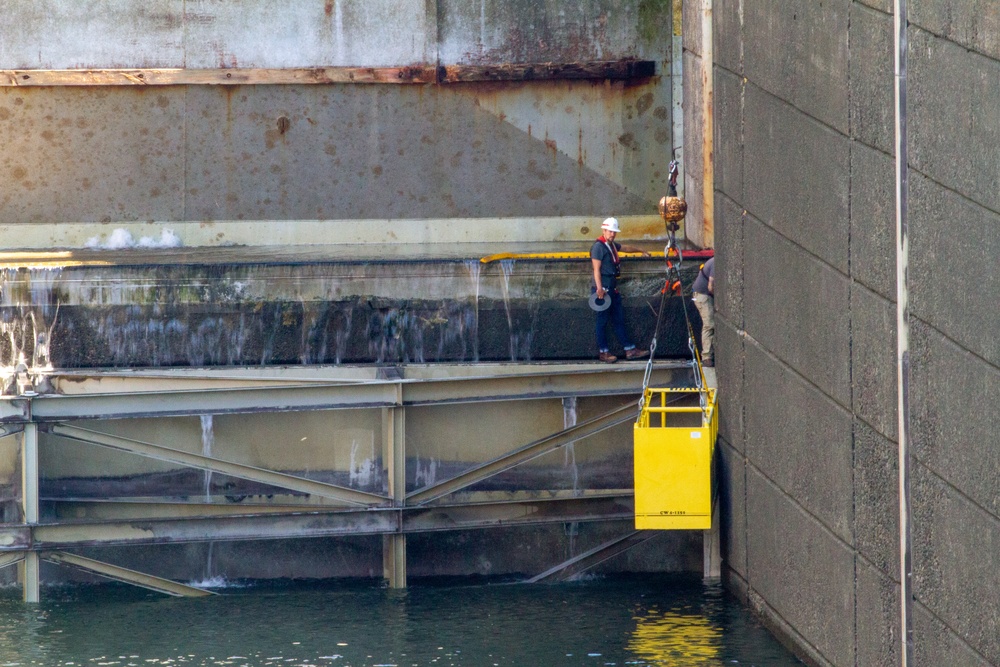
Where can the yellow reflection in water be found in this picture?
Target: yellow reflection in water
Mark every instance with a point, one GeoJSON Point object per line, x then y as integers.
{"type": "Point", "coordinates": [669, 638]}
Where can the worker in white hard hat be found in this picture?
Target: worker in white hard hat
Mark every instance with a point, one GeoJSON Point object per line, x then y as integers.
{"type": "Point", "coordinates": [607, 267]}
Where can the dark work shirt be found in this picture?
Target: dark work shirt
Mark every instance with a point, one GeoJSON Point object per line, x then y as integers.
{"type": "Point", "coordinates": [701, 282]}
{"type": "Point", "coordinates": [600, 251]}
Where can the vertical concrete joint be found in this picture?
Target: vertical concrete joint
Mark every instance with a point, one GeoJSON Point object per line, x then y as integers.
{"type": "Point", "coordinates": [708, 134]}
{"type": "Point", "coordinates": [903, 336]}
{"type": "Point", "coordinates": [677, 90]}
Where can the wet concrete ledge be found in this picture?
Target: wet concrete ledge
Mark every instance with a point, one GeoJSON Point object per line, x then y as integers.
{"type": "Point", "coordinates": [259, 306]}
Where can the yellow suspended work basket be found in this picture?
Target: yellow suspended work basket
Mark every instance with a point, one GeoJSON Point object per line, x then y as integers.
{"type": "Point", "coordinates": [674, 451]}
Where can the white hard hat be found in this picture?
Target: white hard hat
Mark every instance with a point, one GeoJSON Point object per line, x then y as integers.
{"type": "Point", "coordinates": [611, 224]}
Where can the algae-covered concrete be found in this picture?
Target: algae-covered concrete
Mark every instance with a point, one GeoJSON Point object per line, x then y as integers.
{"type": "Point", "coordinates": [805, 233]}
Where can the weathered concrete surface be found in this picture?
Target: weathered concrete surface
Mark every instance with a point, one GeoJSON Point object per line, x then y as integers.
{"type": "Point", "coordinates": [729, 174]}
{"type": "Point", "coordinates": [730, 230]}
{"type": "Point", "coordinates": [974, 24]}
{"type": "Point", "coordinates": [871, 78]}
{"type": "Point", "coordinates": [950, 388]}
{"type": "Point", "coordinates": [877, 601]}
{"type": "Point", "coordinates": [801, 439]}
{"type": "Point", "coordinates": [873, 359]}
{"type": "Point", "coordinates": [347, 152]}
{"type": "Point", "coordinates": [334, 152]}
{"type": "Point", "coordinates": [959, 155]}
{"type": "Point", "coordinates": [951, 299]}
{"type": "Point", "coordinates": [873, 220]}
{"type": "Point", "coordinates": [802, 311]}
{"type": "Point", "coordinates": [954, 572]}
{"type": "Point", "coordinates": [732, 497]}
{"type": "Point", "coordinates": [526, 31]}
{"type": "Point", "coordinates": [732, 373]}
{"type": "Point", "coordinates": [207, 34]}
{"type": "Point", "coordinates": [940, 645]}
{"type": "Point", "coordinates": [794, 49]}
{"type": "Point", "coordinates": [296, 312]}
{"type": "Point", "coordinates": [795, 167]}
{"type": "Point", "coordinates": [820, 567]}
{"type": "Point", "coordinates": [811, 351]}
{"type": "Point", "coordinates": [876, 485]}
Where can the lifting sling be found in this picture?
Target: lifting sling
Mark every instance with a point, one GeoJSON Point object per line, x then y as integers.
{"type": "Point", "coordinates": [674, 435]}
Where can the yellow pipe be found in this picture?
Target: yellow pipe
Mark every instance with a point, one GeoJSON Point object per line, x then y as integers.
{"type": "Point", "coordinates": [554, 255]}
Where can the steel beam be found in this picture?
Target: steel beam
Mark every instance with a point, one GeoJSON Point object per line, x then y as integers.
{"type": "Point", "coordinates": [117, 510]}
{"type": "Point", "coordinates": [169, 455]}
{"type": "Point", "coordinates": [583, 562]}
{"type": "Point", "coordinates": [613, 70]}
{"type": "Point", "coordinates": [210, 529]}
{"type": "Point", "coordinates": [30, 577]}
{"type": "Point", "coordinates": [394, 454]}
{"type": "Point", "coordinates": [619, 415]}
{"type": "Point", "coordinates": [331, 523]}
{"type": "Point", "coordinates": [14, 409]}
{"type": "Point", "coordinates": [394, 560]}
{"type": "Point", "coordinates": [29, 508]}
{"type": "Point", "coordinates": [15, 537]}
{"type": "Point", "coordinates": [456, 384]}
{"type": "Point", "coordinates": [7, 559]}
{"type": "Point", "coordinates": [29, 473]}
{"type": "Point", "coordinates": [544, 384]}
{"type": "Point", "coordinates": [49, 408]}
{"type": "Point", "coordinates": [528, 513]}
{"type": "Point", "coordinates": [129, 509]}
{"type": "Point", "coordinates": [123, 574]}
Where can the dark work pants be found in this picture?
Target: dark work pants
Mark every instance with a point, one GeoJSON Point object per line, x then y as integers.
{"type": "Point", "coordinates": [615, 315]}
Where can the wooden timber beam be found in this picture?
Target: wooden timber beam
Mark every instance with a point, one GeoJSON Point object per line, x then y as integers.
{"type": "Point", "coordinates": [615, 70]}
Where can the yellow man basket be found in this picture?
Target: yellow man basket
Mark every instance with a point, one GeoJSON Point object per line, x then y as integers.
{"type": "Point", "coordinates": [674, 452]}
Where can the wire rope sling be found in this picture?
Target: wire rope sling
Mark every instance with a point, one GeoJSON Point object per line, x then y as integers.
{"type": "Point", "coordinates": [675, 431]}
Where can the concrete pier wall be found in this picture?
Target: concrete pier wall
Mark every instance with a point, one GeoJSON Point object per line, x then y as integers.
{"type": "Point", "coordinates": [805, 234]}
{"type": "Point", "coordinates": [333, 152]}
{"type": "Point", "coordinates": [119, 136]}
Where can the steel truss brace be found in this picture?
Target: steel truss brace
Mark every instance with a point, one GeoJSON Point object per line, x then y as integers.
{"type": "Point", "coordinates": [170, 455]}
{"type": "Point", "coordinates": [122, 574]}
{"type": "Point", "coordinates": [11, 558]}
{"type": "Point", "coordinates": [342, 523]}
{"type": "Point", "coordinates": [594, 557]}
{"type": "Point", "coordinates": [619, 415]}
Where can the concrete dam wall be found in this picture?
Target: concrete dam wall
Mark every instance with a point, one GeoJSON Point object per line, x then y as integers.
{"type": "Point", "coordinates": [246, 331]}
{"type": "Point", "coordinates": [805, 236]}
{"type": "Point", "coordinates": [101, 137]}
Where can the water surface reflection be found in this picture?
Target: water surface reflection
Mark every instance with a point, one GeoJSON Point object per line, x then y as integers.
{"type": "Point", "coordinates": [670, 621]}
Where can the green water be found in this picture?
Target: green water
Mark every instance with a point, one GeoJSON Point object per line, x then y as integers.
{"type": "Point", "coordinates": [638, 621]}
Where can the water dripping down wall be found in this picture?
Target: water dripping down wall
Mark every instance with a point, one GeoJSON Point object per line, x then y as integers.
{"type": "Point", "coordinates": [238, 314]}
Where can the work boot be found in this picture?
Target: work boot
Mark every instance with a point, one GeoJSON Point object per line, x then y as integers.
{"type": "Point", "coordinates": [636, 353]}
{"type": "Point", "coordinates": [607, 357]}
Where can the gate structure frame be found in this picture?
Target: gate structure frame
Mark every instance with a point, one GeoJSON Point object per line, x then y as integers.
{"type": "Point", "coordinates": [147, 394]}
